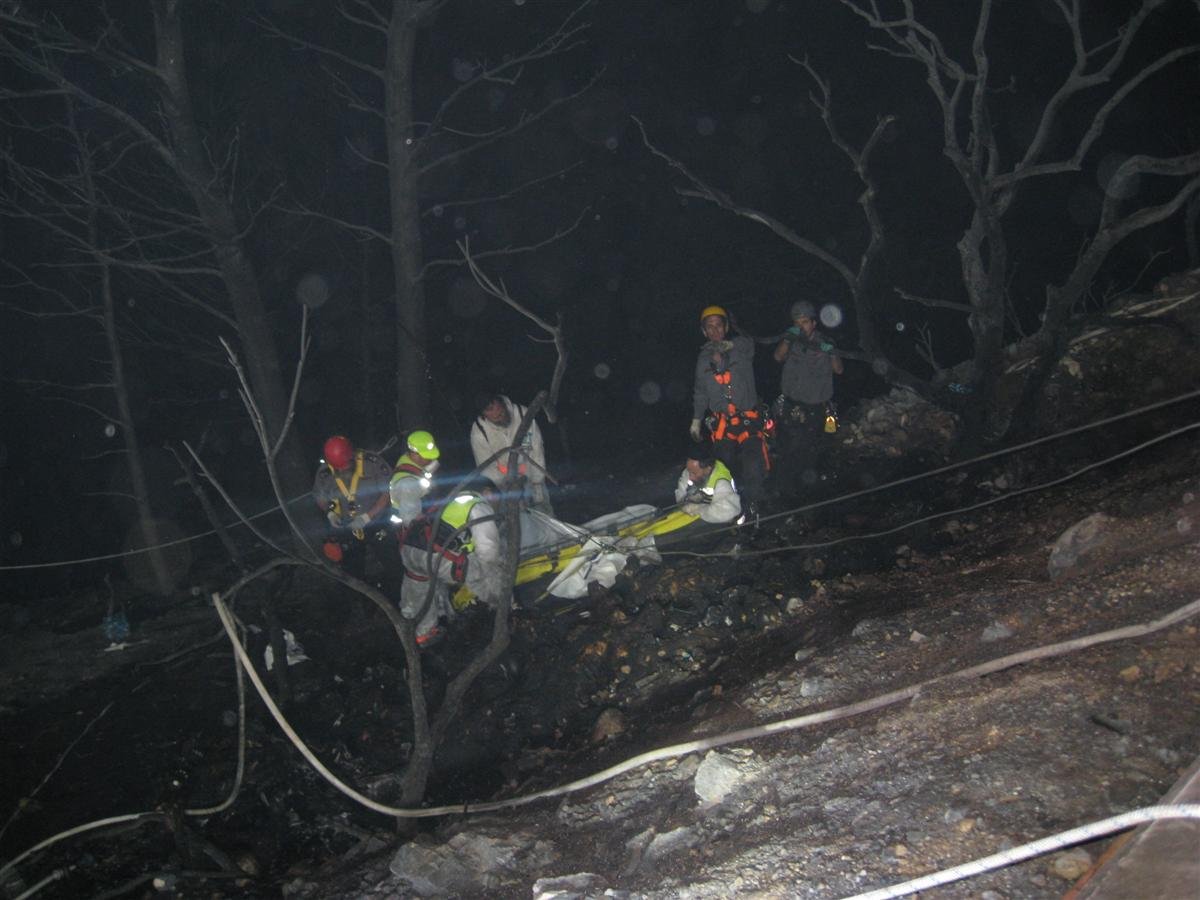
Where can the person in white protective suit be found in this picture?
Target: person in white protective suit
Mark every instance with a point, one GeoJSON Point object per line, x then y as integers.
{"type": "Point", "coordinates": [457, 544]}
{"type": "Point", "coordinates": [412, 478]}
{"type": "Point", "coordinates": [496, 429]}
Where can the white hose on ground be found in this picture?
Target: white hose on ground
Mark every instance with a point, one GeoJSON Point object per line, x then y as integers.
{"type": "Point", "coordinates": [71, 832]}
{"type": "Point", "coordinates": [745, 734]}
{"type": "Point", "coordinates": [1083, 833]}
{"type": "Point", "coordinates": [1004, 662]}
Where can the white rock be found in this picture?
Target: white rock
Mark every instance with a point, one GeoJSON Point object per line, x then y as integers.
{"type": "Point", "coordinates": [997, 631]}
{"type": "Point", "coordinates": [716, 777]}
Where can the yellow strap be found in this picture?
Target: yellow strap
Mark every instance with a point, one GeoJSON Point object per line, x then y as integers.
{"type": "Point", "coordinates": [352, 491]}
{"type": "Point", "coordinates": [349, 493]}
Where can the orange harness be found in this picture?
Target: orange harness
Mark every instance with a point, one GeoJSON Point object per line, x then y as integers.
{"type": "Point", "coordinates": [740, 425]}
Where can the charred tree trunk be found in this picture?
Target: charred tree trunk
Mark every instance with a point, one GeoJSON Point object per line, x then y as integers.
{"type": "Point", "coordinates": [116, 358]}
{"type": "Point", "coordinates": [412, 369]}
{"type": "Point", "coordinates": [984, 257]}
{"type": "Point", "coordinates": [206, 187]}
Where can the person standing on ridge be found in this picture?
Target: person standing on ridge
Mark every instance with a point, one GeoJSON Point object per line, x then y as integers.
{"type": "Point", "coordinates": [725, 392]}
{"type": "Point", "coordinates": [807, 390]}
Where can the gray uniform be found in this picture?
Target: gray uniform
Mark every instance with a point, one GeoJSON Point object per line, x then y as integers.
{"type": "Point", "coordinates": [807, 371]}
{"type": "Point", "coordinates": [709, 394]}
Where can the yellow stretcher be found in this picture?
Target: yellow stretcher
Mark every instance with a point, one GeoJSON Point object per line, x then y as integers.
{"type": "Point", "coordinates": [553, 560]}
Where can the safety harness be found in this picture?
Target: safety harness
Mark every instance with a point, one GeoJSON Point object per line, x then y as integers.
{"type": "Point", "coordinates": [732, 424]}
{"type": "Point", "coordinates": [349, 494]}
{"type": "Point", "coordinates": [445, 536]}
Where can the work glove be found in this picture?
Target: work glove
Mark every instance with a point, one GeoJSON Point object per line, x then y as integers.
{"type": "Point", "coordinates": [724, 346]}
{"type": "Point", "coordinates": [694, 429]}
{"type": "Point", "coordinates": [825, 346]}
{"type": "Point", "coordinates": [359, 522]}
{"type": "Point", "coordinates": [334, 519]}
{"type": "Point", "coordinates": [793, 332]}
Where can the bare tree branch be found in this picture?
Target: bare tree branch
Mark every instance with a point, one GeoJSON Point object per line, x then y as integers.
{"type": "Point", "coordinates": [500, 291]}
{"type": "Point", "coordinates": [511, 250]}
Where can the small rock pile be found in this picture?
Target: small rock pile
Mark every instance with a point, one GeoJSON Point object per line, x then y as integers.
{"type": "Point", "coordinates": [899, 423]}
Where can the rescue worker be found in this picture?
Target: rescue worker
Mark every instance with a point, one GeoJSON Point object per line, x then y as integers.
{"type": "Point", "coordinates": [707, 504]}
{"type": "Point", "coordinates": [413, 477]}
{"type": "Point", "coordinates": [455, 545]}
{"type": "Point", "coordinates": [706, 488]}
{"type": "Point", "coordinates": [351, 488]}
{"type": "Point", "coordinates": [804, 406]}
{"type": "Point", "coordinates": [495, 429]}
{"type": "Point", "coordinates": [724, 390]}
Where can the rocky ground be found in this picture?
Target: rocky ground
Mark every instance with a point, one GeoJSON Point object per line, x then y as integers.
{"type": "Point", "coordinates": [821, 608]}
{"type": "Point", "coordinates": [966, 768]}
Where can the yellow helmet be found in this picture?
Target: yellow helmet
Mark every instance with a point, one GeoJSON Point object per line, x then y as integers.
{"type": "Point", "coordinates": [713, 311]}
{"type": "Point", "coordinates": [423, 444]}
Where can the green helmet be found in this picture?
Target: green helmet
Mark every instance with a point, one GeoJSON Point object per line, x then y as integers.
{"type": "Point", "coordinates": [423, 444]}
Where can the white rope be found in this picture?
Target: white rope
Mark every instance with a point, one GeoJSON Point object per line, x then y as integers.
{"type": "Point", "coordinates": [1039, 847]}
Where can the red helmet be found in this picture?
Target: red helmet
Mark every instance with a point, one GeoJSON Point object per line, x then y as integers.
{"type": "Point", "coordinates": [339, 452]}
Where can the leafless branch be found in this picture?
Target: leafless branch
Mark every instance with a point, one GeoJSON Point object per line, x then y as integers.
{"type": "Point", "coordinates": [355, 227]}
{"type": "Point", "coordinates": [935, 302]}
{"type": "Point", "coordinates": [512, 250]}
{"type": "Point", "coordinates": [439, 208]}
{"type": "Point", "coordinates": [500, 291]}
{"type": "Point", "coordinates": [525, 120]}
{"type": "Point", "coordinates": [703, 191]}
{"type": "Point", "coordinates": [302, 43]}
{"type": "Point", "coordinates": [924, 347]}
{"type": "Point", "coordinates": [562, 39]}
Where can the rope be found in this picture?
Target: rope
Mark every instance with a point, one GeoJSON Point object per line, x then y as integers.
{"type": "Point", "coordinates": [1083, 833]}
{"type": "Point", "coordinates": [932, 516]}
{"type": "Point", "coordinates": [1100, 423]}
{"type": "Point", "coordinates": [139, 550]}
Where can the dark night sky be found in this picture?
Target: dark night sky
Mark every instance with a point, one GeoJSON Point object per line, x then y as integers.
{"type": "Point", "coordinates": [713, 83]}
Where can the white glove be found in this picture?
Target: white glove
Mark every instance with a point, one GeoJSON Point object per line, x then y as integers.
{"type": "Point", "coordinates": [334, 519]}
{"type": "Point", "coordinates": [724, 346]}
{"type": "Point", "coordinates": [359, 522]}
{"type": "Point", "coordinates": [694, 429]}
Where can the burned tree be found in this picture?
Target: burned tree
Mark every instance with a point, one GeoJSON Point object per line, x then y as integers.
{"type": "Point", "coordinates": [178, 201]}
{"type": "Point", "coordinates": [862, 276]}
{"type": "Point", "coordinates": [66, 207]}
{"type": "Point", "coordinates": [423, 147]}
{"type": "Point", "coordinates": [993, 171]}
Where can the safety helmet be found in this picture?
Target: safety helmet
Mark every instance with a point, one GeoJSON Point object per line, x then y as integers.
{"type": "Point", "coordinates": [713, 311]}
{"type": "Point", "coordinates": [339, 452]}
{"type": "Point", "coordinates": [422, 444]}
{"type": "Point", "coordinates": [802, 309]}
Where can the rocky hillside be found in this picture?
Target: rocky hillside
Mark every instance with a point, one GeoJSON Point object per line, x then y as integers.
{"type": "Point", "coordinates": [751, 675]}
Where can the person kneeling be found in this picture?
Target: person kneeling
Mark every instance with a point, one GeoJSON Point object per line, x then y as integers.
{"type": "Point", "coordinates": [707, 498]}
